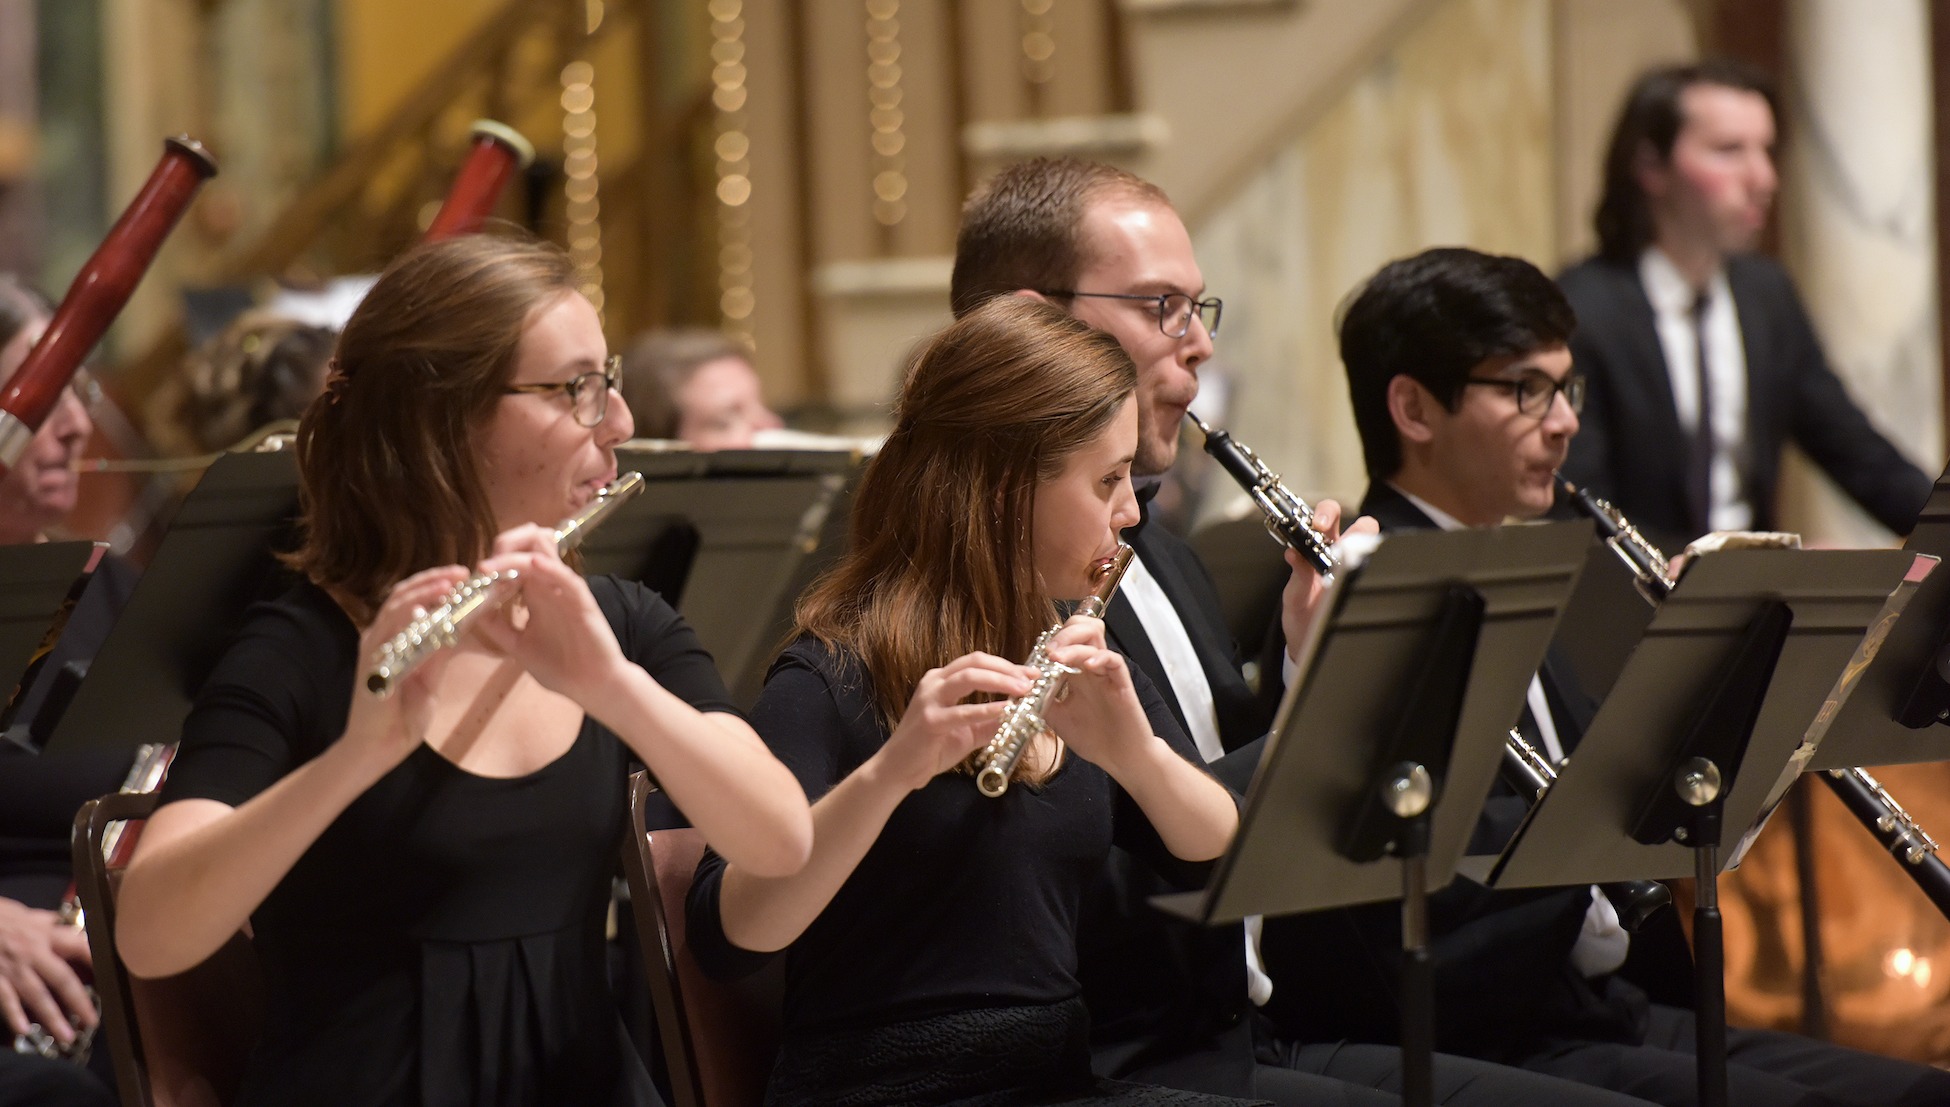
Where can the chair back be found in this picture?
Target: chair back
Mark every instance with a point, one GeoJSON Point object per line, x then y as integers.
{"type": "Point", "coordinates": [719, 1040]}
{"type": "Point", "coordinates": [177, 1041]}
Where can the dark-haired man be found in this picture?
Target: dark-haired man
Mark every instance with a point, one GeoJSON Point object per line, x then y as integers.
{"type": "Point", "coordinates": [1459, 367]}
{"type": "Point", "coordinates": [1677, 317]}
{"type": "Point", "coordinates": [1172, 1004]}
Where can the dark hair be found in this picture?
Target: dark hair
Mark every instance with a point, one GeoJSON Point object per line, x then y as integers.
{"type": "Point", "coordinates": [657, 366]}
{"type": "Point", "coordinates": [20, 307]}
{"type": "Point", "coordinates": [941, 560]}
{"type": "Point", "coordinates": [389, 481]}
{"type": "Point", "coordinates": [1652, 116]}
{"type": "Point", "coordinates": [1023, 227]}
{"type": "Point", "coordinates": [260, 369]}
{"type": "Point", "coordinates": [1435, 317]}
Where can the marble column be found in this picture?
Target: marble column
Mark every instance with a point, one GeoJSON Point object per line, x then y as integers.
{"type": "Point", "coordinates": [1859, 230]}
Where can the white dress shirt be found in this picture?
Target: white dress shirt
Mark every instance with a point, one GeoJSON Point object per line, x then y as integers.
{"type": "Point", "coordinates": [1726, 358]}
{"type": "Point", "coordinates": [1194, 694]}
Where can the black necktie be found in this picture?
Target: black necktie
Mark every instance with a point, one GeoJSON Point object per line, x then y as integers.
{"type": "Point", "coordinates": [1699, 466]}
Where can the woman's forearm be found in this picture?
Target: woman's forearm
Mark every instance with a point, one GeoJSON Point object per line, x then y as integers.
{"type": "Point", "coordinates": [717, 771]}
{"type": "Point", "coordinates": [202, 867]}
{"type": "Point", "coordinates": [1193, 813]}
{"type": "Point", "coordinates": [764, 914]}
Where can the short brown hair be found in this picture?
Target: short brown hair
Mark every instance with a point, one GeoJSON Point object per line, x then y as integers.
{"type": "Point", "coordinates": [21, 306]}
{"type": "Point", "coordinates": [659, 364]}
{"type": "Point", "coordinates": [941, 558]}
{"type": "Point", "coordinates": [1023, 228]}
{"type": "Point", "coordinates": [389, 481]}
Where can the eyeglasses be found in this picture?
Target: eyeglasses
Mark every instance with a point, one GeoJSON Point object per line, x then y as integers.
{"type": "Point", "coordinates": [1537, 390]}
{"type": "Point", "coordinates": [1175, 309]}
{"type": "Point", "coordinates": [588, 392]}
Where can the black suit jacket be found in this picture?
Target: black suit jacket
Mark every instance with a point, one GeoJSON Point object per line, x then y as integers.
{"type": "Point", "coordinates": [1503, 975]}
{"type": "Point", "coordinates": [1631, 449]}
{"type": "Point", "coordinates": [1164, 995]}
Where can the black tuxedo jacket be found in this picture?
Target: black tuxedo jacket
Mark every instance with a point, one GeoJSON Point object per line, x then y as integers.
{"type": "Point", "coordinates": [1164, 995]}
{"type": "Point", "coordinates": [1631, 449]}
{"type": "Point", "coordinates": [1503, 975]}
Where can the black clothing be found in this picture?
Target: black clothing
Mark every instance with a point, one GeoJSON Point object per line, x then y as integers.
{"type": "Point", "coordinates": [41, 789]}
{"type": "Point", "coordinates": [964, 904]}
{"type": "Point", "coordinates": [1507, 991]}
{"type": "Point", "coordinates": [1631, 448]}
{"type": "Point", "coordinates": [442, 940]}
{"type": "Point", "coordinates": [1168, 999]}
{"type": "Point", "coordinates": [28, 1081]}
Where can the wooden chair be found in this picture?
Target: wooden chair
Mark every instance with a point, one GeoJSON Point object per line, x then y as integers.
{"type": "Point", "coordinates": [178, 1041]}
{"type": "Point", "coordinates": [718, 1040]}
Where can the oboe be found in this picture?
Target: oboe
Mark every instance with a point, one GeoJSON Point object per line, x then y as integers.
{"type": "Point", "coordinates": [442, 627]}
{"type": "Point", "coordinates": [1022, 720]}
{"type": "Point", "coordinates": [1289, 519]}
{"type": "Point", "coordinates": [1861, 793]}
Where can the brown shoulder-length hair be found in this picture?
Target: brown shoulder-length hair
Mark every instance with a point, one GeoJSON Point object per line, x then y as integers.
{"type": "Point", "coordinates": [389, 480]}
{"type": "Point", "coordinates": [940, 562]}
{"type": "Point", "coordinates": [1651, 118]}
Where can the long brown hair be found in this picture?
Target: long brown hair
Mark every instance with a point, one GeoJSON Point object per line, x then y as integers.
{"type": "Point", "coordinates": [941, 558]}
{"type": "Point", "coordinates": [389, 481]}
{"type": "Point", "coordinates": [1652, 116]}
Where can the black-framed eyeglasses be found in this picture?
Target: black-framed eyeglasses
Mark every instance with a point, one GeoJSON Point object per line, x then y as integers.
{"type": "Point", "coordinates": [588, 392]}
{"type": "Point", "coordinates": [1537, 390]}
{"type": "Point", "coordinates": [1175, 309]}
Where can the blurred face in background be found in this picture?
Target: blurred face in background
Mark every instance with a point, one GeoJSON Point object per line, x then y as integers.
{"type": "Point", "coordinates": [720, 406]}
{"type": "Point", "coordinates": [1717, 186]}
{"type": "Point", "coordinates": [41, 488]}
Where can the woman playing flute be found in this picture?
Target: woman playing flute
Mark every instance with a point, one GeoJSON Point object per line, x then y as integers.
{"type": "Point", "coordinates": [426, 875]}
{"type": "Point", "coordinates": [930, 942]}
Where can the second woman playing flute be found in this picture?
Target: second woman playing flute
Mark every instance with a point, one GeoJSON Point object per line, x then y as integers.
{"type": "Point", "coordinates": [426, 875]}
{"type": "Point", "coordinates": [931, 940]}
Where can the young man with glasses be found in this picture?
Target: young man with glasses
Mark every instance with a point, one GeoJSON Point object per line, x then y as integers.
{"type": "Point", "coordinates": [1170, 1003]}
{"type": "Point", "coordinates": [1460, 371]}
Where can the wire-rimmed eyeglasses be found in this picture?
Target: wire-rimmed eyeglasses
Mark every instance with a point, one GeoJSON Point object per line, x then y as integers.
{"type": "Point", "coordinates": [1536, 390]}
{"type": "Point", "coordinates": [588, 392]}
{"type": "Point", "coordinates": [1175, 309]}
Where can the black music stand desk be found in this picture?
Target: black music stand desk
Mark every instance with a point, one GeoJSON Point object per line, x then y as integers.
{"type": "Point", "coordinates": [39, 584]}
{"type": "Point", "coordinates": [1891, 719]}
{"type": "Point", "coordinates": [1440, 631]}
{"type": "Point", "coordinates": [1702, 723]}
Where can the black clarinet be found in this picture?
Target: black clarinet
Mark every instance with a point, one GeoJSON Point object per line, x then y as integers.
{"type": "Point", "coordinates": [1860, 793]}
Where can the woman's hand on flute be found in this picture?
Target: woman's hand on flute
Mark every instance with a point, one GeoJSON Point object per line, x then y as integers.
{"type": "Point", "coordinates": [388, 729]}
{"type": "Point", "coordinates": [938, 731]}
{"type": "Point", "coordinates": [553, 626]}
{"type": "Point", "coordinates": [1098, 712]}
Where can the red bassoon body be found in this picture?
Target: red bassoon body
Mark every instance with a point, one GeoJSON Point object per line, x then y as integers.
{"type": "Point", "coordinates": [498, 153]}
{"type": "Point", "coordinates": [99, 292]}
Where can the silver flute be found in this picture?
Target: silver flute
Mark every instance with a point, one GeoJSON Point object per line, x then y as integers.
{"type": "Point", "coordinates": [1022, 720]}
{"type": "Point", "coordinates": [442, 627]}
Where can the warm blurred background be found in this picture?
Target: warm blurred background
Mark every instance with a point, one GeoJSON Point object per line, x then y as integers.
{"type": "Point", "coordinates": [790, 173]}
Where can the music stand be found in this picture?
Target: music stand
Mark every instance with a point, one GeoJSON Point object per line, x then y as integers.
{"type": "Point", "coordinates": [1904, 693]}
{"type": "Point", "coordinates": [1425, 656]}
{"type": "Point", "coordinates": [1711, 706]}
{"type": "Point", "coordinates": [40, 583]}
{"type": "Point", "coordinates": [738, 535]}
{"type": "Point", "coordinates": [213, 562]}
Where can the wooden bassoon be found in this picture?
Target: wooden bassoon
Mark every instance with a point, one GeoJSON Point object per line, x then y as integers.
{"type": "Point", "coordinates": [99, 292]}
